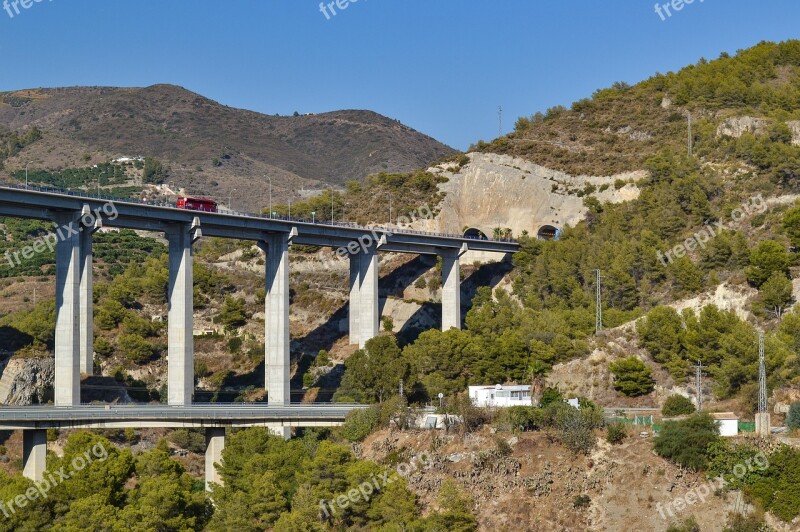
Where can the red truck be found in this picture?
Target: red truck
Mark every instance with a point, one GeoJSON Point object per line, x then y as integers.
{"type": "Point", "coordinates": [197, 204]}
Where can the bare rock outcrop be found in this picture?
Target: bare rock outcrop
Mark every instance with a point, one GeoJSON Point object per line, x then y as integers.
{"type": "Point", "coordinates": [27, 381]}
{"type": "Point", "coordinates": [509, 192]}
{"type": "Point", "coordinates": [736, 126]}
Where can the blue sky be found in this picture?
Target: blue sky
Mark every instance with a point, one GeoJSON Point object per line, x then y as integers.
{"type": "Point", "coordinates": [440, 66]}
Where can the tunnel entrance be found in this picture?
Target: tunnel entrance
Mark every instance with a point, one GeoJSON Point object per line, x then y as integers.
{"type": "Point", "coordinates": [547, 232]}
{"type": "Point", "coordinates": [475, 233]}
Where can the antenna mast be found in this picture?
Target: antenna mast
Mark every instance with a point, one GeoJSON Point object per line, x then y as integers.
{"type": "Point", "coordinates": [698, 383]}
{"type": "Point", "coordinates": [598, 319]}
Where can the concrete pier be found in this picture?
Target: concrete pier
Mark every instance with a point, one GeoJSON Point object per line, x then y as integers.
{"type": "Point", "coordinates": [34, 454]}
{"type": "Point", "coordinates": [180, 359]}
{"type": "Point", "coordinates": [87, 298]}
{"type": "Point", "coordinates": [215, 443]}
{"type": "Point", "coordinates": [276, 307]}
{"type": "Point", "coordinates": [369, 310]}
{"type": "Point", "coordinates": [451, 291]}
{"type": "Point", "coordinates": [67, 334]}
{"type": "Point", "coordinates": [355, 302]}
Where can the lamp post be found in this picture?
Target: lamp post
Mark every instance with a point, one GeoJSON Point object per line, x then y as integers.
{"type": "Point", "coordinates": [270, 194]}
{"type": "Point", "coordinates": [390, 209]}
{"type": "Point", "coordinates": [26, 175]}
{"type": "Point", "coordinates": [230, 199]}
{"type": "Point", "coordinates": [331, 203]}
{"type": "Point", "coordinates": [313, 216]}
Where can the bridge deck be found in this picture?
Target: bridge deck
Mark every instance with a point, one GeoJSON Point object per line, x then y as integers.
{"type": "Point", "coordinates": [162, 416]}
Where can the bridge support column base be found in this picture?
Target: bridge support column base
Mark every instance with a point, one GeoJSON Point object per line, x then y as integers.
{"type": "Point", "coordinates": [34, 454]}
{"type": "Point", "coordinates": [280, 430]}
{"type": "Point", "coordinates": [215, 443]}
{"type": "Point", "coordinates": [762, 425]}
{"type": "Point", "coordinates": [369, 309]}
{"type": "Point", "coordinates": [355, 299]}
{"type": "Point", "coordinates": [451, 292]}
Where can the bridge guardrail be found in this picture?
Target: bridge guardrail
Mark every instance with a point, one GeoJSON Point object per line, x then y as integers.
{"type": "Point", "coordinates": [346, 225]}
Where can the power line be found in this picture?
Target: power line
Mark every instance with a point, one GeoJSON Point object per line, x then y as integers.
{"type": "Point", "coordinates": [500, 120]}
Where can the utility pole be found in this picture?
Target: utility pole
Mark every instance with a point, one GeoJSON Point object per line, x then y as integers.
{"type": "Point", "coordinates": [598, 320]}
{"type": "Point", "coordinates": [690, 132]}
{"type": "Point", "coordinates": [762, 417]}
{"type": "Point", "coordinates": [500, 120]}
{"type": "Point", "coordinates": [401, 387]}
{"type": "Point", "coordinates": [698, 384]}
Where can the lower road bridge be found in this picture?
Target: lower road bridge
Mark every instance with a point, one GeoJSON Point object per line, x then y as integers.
{"type": "Point", "coordinates": [214, 418]}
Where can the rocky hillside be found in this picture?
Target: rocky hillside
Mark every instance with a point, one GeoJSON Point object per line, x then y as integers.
{"type": "Point", "coordinates": [210, 148]}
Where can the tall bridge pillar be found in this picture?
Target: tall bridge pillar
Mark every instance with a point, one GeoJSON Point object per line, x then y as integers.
{"type": "Point", "coordinates": [276, 306]}
{"type": "Point", "coordinates": [215, 443]}
{"type": "Point", "coordinates": [451, 290]}
{"type": "Point", "coordinates": [87, 295]}
{"type": "Point", "coordinates": [67, 334]}
{"type": "Point", "coordinates": [180, 358]}
{"type": "Point", "coordinates": [34, 454]}
{"type": "Point", "coordinates": [355, 298]}
{"type": "Point", "coordinates": [368, 307]}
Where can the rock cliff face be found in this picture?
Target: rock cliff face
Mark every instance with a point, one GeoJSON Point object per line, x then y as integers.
{"type": "Point", "coordinates": [27, 381]}
{"type": "Point", "coordinates": [738, 125]}
{"type": "Point", "coordinates": [507, 192]}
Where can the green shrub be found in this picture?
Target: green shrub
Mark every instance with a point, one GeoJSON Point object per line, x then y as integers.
{"type": "Point", "coordinates": [521, 418]}
{"type": "Point", "coordinates": [322, 359]}
{"type": "Point", "coordinates": [616, 433]}
{"type": "Point", "coordinates": [360, 423]}
{"type": "Point", "coordinates": [135, 348]}
{"type": "Point", "coordinates": [189, 439]}
{"type": "Point", "coordinates": [632, 377]}
{"type": "Point", "coordinates": [550, 396]}
{"type": "Point", "coordinates": [103, 347]}
{"type": "Point", "coordinates": [677, 405]}
{"type": "Point", "coordinates": [793, 419]}
{"type": "Point", "coordinates": [581, 501]}
{"type": "Point", "coordinates": [750, 523]}
{"type": "Point", "coordinates": [235, 344]}
{"type": "Point", "coordinates": [686, 442]}
{"type": "Point", "coordinates": [777, 488]}
{"type": "Point", "coordinates": [687, 525]}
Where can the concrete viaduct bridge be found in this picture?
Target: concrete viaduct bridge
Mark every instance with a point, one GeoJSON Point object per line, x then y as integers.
{"type": "Point", "coordinates": [78, 217]}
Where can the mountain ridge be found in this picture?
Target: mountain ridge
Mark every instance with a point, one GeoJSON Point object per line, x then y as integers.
{"type": "Point", "coordinates": [211, 148]}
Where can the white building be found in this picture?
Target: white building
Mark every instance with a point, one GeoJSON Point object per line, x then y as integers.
{"type": "Point", "coordinates": [727, 422]}
{"type": "Point", "coordinates": [499, 395]}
